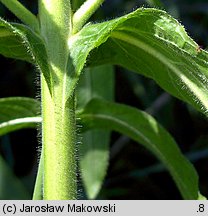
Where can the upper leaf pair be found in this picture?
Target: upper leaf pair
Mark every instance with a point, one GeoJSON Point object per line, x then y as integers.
{"type": "Point", "coordinates": [147, 41]}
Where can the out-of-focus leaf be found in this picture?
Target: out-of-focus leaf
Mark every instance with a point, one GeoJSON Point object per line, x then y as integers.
{"type": "Point", "coordinates": [17, 113]}
{"type": "Point", "coordinates": [11, 186]}
{"type": "Point", "coordinates": [94, 159]}
{"type": "Point", "coordinates": [97, 82]}
{"type": "Point", "coordinates": [76, 4]}
{"type": "Point", "coordinates": [155, 3]}
{"type": "Point", "coordinates": [144, 129]}
{"type": "Point", "coordinates": [152, 43]}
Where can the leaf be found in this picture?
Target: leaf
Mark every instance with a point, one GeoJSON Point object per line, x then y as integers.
{"type": "Point", "coordinates": [20, 42]}
{"type": "Point", "coordinates": [94, 151]}
{"type": "Point", "coordinates": [201, 197]}
{"type": "Point", "coordinates": [149, 42]}
{"type": "Point", "coordinates": [22, 13]}
{"type": "Point", "coordinates": [11, 186]}
{"type": "Point", "coordinates": [144, 129]}
{"type": "Point", "coordinates": [76, 4]}
{"type": "Point", "coordinates": [17, 113]}
{"type": "Point", "coordinates": [94, 160]}
{"type": "Point", "coordinates": [95, 82]}
{"type": "Point", "coordinates": [155, 3]}
{"type": "Point", "coordinates": [11, 44]}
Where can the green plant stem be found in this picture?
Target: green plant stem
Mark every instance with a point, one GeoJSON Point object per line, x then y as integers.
{"type": "Point", "coordinates": [59, 147]}
{"type": "Point", "coordinates": [58, 113]}
{"type": "Point", "coordinates": [38, 190]}
{"type": "Point", "coordinates": [22, 13]}
{"type": "Point", "coordinates": [84, 13]}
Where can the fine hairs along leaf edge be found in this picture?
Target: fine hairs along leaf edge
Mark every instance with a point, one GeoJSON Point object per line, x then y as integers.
{"type": "Point", "coordinates": [188, 83]}
{"type": "Point", "coordinates": [154, 49]}
{"type": "Point", "coordinates": [123, 37]}
{"type": "Point", "coordinates": [92, 148]}
{"type": "Point", "coordinates": [145, 130]}
{"type": "Point", "coordinates": [130, 121]}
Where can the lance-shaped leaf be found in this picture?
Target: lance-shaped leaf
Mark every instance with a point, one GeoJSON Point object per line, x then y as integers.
{"type": "Point", "coordinates": [144, 129]}
{"type": "Point", "coordinates": [11, 45]}
{"type": "Point", "coordinates": [17, 113]}
{"type": "Point", "coordinates": [96, 82]}
{"type": "Point", "coordinates": [152, 43]}
{"type": "Point", "coordinates": [20, 42]}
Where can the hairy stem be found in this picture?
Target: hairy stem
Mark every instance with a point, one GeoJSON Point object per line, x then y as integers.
{"type": "Point", "coordinates": [58, 113]}
{"type": "Point", "coordinates": [22, 13]}
{"type": "Point", "coordinates": [84, 13]}
{"type": "Point", "coordinates": [59, 147]}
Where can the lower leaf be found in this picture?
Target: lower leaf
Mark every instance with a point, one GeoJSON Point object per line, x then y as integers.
{"type": "Point", "coordinates": [17, 113]}
{"type": "Point", "coordinates": [144, 129]}
{"type": "Point", "coordinates": [94, 150]}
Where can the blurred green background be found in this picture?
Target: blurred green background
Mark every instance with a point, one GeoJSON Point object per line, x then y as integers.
{"type": "Point", "coordinates": [133, 172]}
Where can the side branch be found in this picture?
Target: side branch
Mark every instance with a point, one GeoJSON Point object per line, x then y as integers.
{"type": "Point", "coordinates": [22, 13]}
{"type": "Point", "coordinates": [84, 13]}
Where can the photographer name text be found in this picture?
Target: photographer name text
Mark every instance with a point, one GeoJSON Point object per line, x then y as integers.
{"type": "Point", "coordinates": [75, 208]}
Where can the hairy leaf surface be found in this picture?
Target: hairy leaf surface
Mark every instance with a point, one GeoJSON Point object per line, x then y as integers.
{"type": "Point", "coordinates": [144, 129]}
{"type": "Point", "coordinates": [151, 43]}
{"type": "Point", "coordinates": [20, 42]}
{"type": "Point", "coordinates": [10, 44]}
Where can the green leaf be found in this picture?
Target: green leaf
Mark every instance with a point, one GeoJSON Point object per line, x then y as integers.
{"type": "Point", "coordinates": [11, 186]}
{"type": "Point", "coordinates": [94, 151]}
{"type": "Point", "coordinates": [95, 82]}
{"type": "Point", "coordinates": [94, 160]}
{"type": "Point", "coordinates": [144, 129]}
{"type": "Point", "coordinates": [76, 4]}
{"type": "Point", "coordinates": [155, 3]}
{"type": "Point", "coordinates": [201, 197]}
{"type": "Point", "coordinates": [38, 188]}
{"type": "Point", "coordinates": [149, 42]}
{"type": "Point", "coordinates": [11, 43]}
{"type": "Point", "coordinates": [20, 42]}
{"type": "Point", "coordinates": [22, 13]}
{"type": "Point", "coordinates": [17, 113]}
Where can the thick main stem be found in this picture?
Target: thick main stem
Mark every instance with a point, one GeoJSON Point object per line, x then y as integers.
{"type": "Point", "coordinates": [59, 147]}
{"type": "Point", "coordinates": [58, 113]}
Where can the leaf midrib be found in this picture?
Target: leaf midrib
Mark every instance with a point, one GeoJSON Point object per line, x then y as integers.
{"type": "Point", "coordinates": [136, 131]}
{"type": "Point", "coordinates": [151, 51]}
{"type": "Point", "coordinates": [21, 121]}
